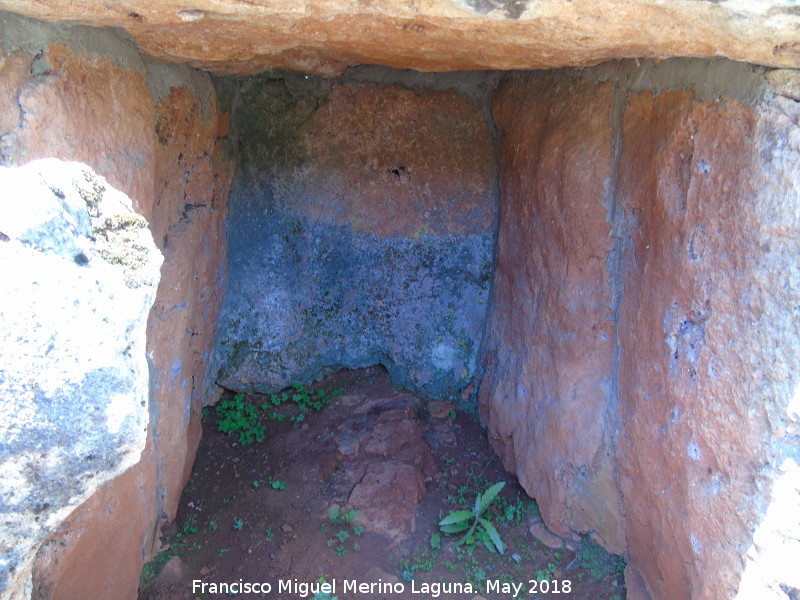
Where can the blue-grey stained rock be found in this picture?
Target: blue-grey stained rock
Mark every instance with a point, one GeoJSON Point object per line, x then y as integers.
{"type": "Point", "coordinates": [361, 231]}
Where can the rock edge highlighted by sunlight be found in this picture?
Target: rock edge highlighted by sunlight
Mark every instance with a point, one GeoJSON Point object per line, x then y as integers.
{"type": "Point", "coordinates": [80, 272]}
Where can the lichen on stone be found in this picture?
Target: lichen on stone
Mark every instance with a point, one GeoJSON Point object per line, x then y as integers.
{"type": "Point", "coordinates": [118, 236]}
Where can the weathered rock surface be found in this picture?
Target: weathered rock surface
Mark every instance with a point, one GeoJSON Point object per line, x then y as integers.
{"type": "Point", "coordinates": [546, 395]}
{"type": "Point", "coordinates": [709, 331]}
{"type": "Point", "coordinates": [437, 35]}
{"type": "Point", "coordinates": [669, 400]}
{"type": "Point", "coordinates": [361, 231]}
{"type": "Point", "coordinates": [80, 272]}
{"type": "Point", "coordinates": [192, 178]}
{"type": "Point", "coordinates": [153, 131]}
{"type": "Point", "coordinates": [694, 281]}
{"type": "Point", "coordinates": [379, 448]}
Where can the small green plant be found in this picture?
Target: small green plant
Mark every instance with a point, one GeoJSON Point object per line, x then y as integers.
{"type": "Point", "coordinates": [423, 560]}
{"type": "Point", "coordinates": [304, 399]}
{"type": "Point", "coordinates": [151, 569]}
{"type": "Point", "coordinates": [275, 484]}
{"type": "Point", "coordinates": [436, 541]}
{"type": "Point", "coordinates": [337, 517]}
{"type": "Point", "coordinates": [323, 595]}
{"type": "Point", "coordinates": [513, 513]}
{"type": "Point", "coordinates": [238, 524]}
{"type": "Point", "coordinates": [212, 526]}
{"type": "Point", "coordinates": [341, 520]}
{"type": "Point", "coordinates": [343, 535]}
{"type": "Point", "coordinates": [598, 562]}
{"type": "Point", "coordinates": [480, 529]}
{"type": "Point", "coordinates": [269, 535]}
{"type": "Point", "coordinates": [549, 571]}
{"type": "Point", "coordinates": [237, 417]}
{"type": "Point", "coordinates": [190, 525]}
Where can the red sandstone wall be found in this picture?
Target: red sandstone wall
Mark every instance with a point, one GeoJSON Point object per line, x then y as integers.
{"type": "Point", "coordinates": [687, 256]}
{"type": "Point", "coordinates": [708, 331]}
{"type": "Point", "coordinates": [163, 153]}
{"type": "Point", "coordinates": [551, 336]}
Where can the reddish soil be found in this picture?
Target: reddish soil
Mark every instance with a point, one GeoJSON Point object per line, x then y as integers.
{"type": "Point", "coordinates": [262, 512]}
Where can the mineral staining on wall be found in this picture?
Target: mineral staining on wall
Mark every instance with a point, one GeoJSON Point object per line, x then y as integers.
{"type": "Point", "coordinates": [361, 231]}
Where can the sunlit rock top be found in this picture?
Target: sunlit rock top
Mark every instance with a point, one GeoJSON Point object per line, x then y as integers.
{"type": "Point", "coordinates": [326, 36]}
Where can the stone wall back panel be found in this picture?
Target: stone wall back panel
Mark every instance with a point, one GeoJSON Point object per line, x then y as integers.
{"type": "Point", "coordinates": [361, 232]}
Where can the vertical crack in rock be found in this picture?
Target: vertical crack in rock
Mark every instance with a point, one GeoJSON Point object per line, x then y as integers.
{"type": "Point", "coordinates": [616, 217]}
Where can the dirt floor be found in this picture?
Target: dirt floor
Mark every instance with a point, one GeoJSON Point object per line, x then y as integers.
{"type": "Point", "coordinates": [352, 495]}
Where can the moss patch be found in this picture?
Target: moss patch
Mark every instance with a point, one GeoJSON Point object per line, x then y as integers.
{"type": "Point", "coordinates": [269, 117]}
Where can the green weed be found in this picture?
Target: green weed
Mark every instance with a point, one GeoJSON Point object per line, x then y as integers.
{"type": "Point", "coordinates": [304, 399]}
{"type": "Point", "coordinates": [599, 563]}
{"type": "Point", "coordinates": [342, 535]}
{"type": "Point", "coordinates": [190, 524]}
{"type": "Point", "coordinates": [239, 417]}
{"type": "Point", "coordinates": [513, 513]}
{"type": "Point", "coordinates": [481, 529]}
{"type": "Point", "coordinates": [342, 520]}
{"type": "Point", "coordinates": [337, 517]}
{"type": "Point", "coordinates": [549, 571]}
{"type": "Point", "coordinates": [275, 484]}
{"type": "Point", "coordinates": [423, 560]}
{"type": "Point", "coordinates": [151, 569]}
{"type": "Point", "coordinates": [323, 595]}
